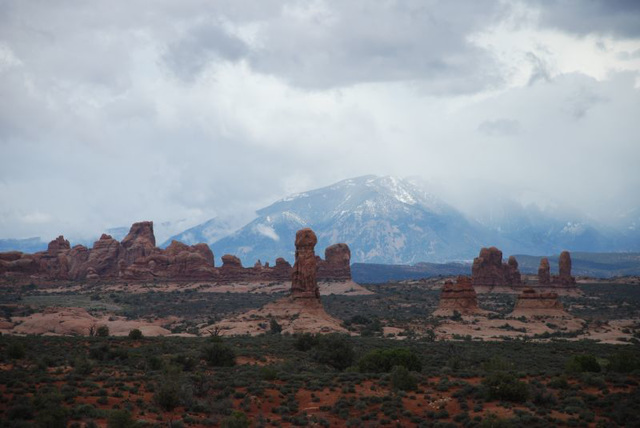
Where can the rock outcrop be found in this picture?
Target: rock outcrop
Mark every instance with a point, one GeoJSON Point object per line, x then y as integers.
{"type": "Point", "coordinates": [304, 283]}
{"type": "Point", "coordinates": [459, 297]}
{"type": "Point", "coordinates": [544, 272]}
{"type": "Point", "coordinates": [300, 312]}
{"type": "Point", "coordinates": [137, 258]}
{"type": "Point", "coordinates": [336, 263]}
{"type": "Point", "coordinates": [488, 269]}
{"type": "Point", "coordinates": [564, 264]}
{"type": "Point", "coordinates": [531, 303]}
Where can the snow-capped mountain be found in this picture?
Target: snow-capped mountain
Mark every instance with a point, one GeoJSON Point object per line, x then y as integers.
{"type": "Point", "coordinates": [383, 219]}
{"type": "Point", "coordinates": [208, 232]}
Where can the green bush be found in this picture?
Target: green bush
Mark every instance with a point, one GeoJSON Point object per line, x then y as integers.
{"type": "Point", "coordinates": [235, 420]}
{"type": "Point", "coordinates": [219, 355]}
{"type": "Point", "coordinates": [274, 327]}
{"type": "Point", "coordinates": [135, 334]}
{"type": "Point", "coordinates": [102, 331]}
{"type": "Point", "coordinates": [505, 386]}
{"type": "Point", "coordinates": [306, 341]}
{"type": "Point", "coordinates": [121, 419]}
{"type": "Point", "coordinates": [624, 362]}
{"type": "Point", "coordinates": [583, 363]}
{"type": "Point", "coordinates": [383, 360]}
{"type": "Point", "coordinates": [334, 350]}
{"type": "Point", "coordinates": [402, 379]}
{"type": "Point", "coordinates": [16, 351]}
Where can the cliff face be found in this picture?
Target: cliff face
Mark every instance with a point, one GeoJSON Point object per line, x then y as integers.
{"type": "Point", "coordinates": [137, 258]}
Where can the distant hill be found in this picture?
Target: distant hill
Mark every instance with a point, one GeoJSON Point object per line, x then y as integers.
{"type": "Point", "coordinates": [372, 273]}
{"type": "Point", "coordinates": [598, 265]}
{"type": "Point", "coordinates": [28, 245]}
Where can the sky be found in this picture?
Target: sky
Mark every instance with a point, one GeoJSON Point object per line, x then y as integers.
{"type": "Point", "coordinates": [179, 111]}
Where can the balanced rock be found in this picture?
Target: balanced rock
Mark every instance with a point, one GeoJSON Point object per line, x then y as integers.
{"type": "Point", "coordinates": [304, 283]}
{"type": "Point", "coordinates": [459, 297]}
{"type": "Point", "coordinates": [544, 275]}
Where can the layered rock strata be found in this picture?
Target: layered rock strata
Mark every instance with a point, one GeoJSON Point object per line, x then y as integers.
{"type": "Point", "coordinates": [459, 297]}
{"type": "Point", "coordinates": [533, 303]}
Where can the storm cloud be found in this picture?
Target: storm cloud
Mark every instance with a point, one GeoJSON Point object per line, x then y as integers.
{"type": "Point", "coordinates": [113, 112]}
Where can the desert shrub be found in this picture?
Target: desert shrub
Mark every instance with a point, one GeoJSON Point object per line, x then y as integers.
{"type": "Point", "coordinates": [383, 360]}
{"type": "Point", "coordinates": [168, 394]}
{"type": "Point", "coordinates": [582, 363]}
{"type": "Point", "coordinates": [334, 350]}
{"type": "Point", "coordinates": [624, 362]}
{"type": "Point", "coordinates": [505, 386]}
{"type": "Point", "coordinates": [235, 420]}
{"type": "Point", "coordinates": [493, 421]}
{"type": "Point", "coordinates": [121, 419]}
{"type": "Point", "coordinates": [102, 331]}
{"type": "Point", "coordinates": [219, 355]}
{"type": "Point", "coordinates": [403, 380]}
{"type": "Point", "coordinates": [306, 341]}
{"type": "Point", "coordinates": [135, 334]}
{"type": "Point", "coordinates": [457, 316]}
{"type": "Point", "coordinates": [274, 327]}
{"type": "Point", "coordinates": [16, 351]}
{"type": "Point", "coordinates": [20, 411]}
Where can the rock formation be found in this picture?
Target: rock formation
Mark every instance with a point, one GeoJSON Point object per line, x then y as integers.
{"type": "Point", "coordinates": [300, 312]}
{"type": "Point", "coordinates": [137, 258]}
{"type": "Point", "coordinates": [460, 297]}
{"type": "Point", "coordinates": [336, 263]}
{"type": "Point", "coordinates": [533, 303]}
{"type": "Point", "coordinates": [544, 272]}
{"type": "Point", "coordinates": [564, 277]}
{"type": "Point", "coordinates": [303, 279]}
{"type": "Point", "coordinates": [488, 269]}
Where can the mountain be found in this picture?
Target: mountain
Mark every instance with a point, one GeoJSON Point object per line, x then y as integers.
{"type": "Point", "coordinates": [383, 219]}
{"type": "Point", "coordinates": [28, 245]}
{"type": "Point", "coordinates": [371, 273]}
{"type": "Point", "coordinates": [208, 232]}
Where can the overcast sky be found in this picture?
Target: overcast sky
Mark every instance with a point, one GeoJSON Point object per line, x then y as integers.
{"type": "Point", "coordinates": [118, 111]}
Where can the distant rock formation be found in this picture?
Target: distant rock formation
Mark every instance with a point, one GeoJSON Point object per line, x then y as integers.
{"type": "Point", "coordinates": [137, 258]}
{"type": "Point", "coordinates": [336, 263]}
{"type": "Point", "coordinates": [300, 312]}
{"type": "Point", "coordinates": [488, 269]}
{"type": "Point", "coordinates": [563, 279]}
{"type": "Point", "coordinates": [532, 303]}
{"type": "Point", "coordinates": [304, 283]}
{"type": "Point", "coordinates": [459, 297]}
{"type": "Point", "coordinates": [544, 272]}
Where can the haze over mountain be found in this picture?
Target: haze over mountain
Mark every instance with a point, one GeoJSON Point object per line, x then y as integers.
{"type": "Point", "coordinates": [394, 220]}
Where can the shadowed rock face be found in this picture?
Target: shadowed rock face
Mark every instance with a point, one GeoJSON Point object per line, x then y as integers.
{"type": "Point", "coordinates": [544, 272]}
{"type": "Point", "coordinates": [489, 270]}
{"type": "Point", "coordinates": [304, 283]}
{"type": "Point", "coordinates": [137, 258]}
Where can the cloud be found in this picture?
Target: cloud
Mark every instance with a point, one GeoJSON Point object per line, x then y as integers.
{"type": "Point", "coordinates": [500, 127]}
{"type": "Point", "coordinates": [191, 110]}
